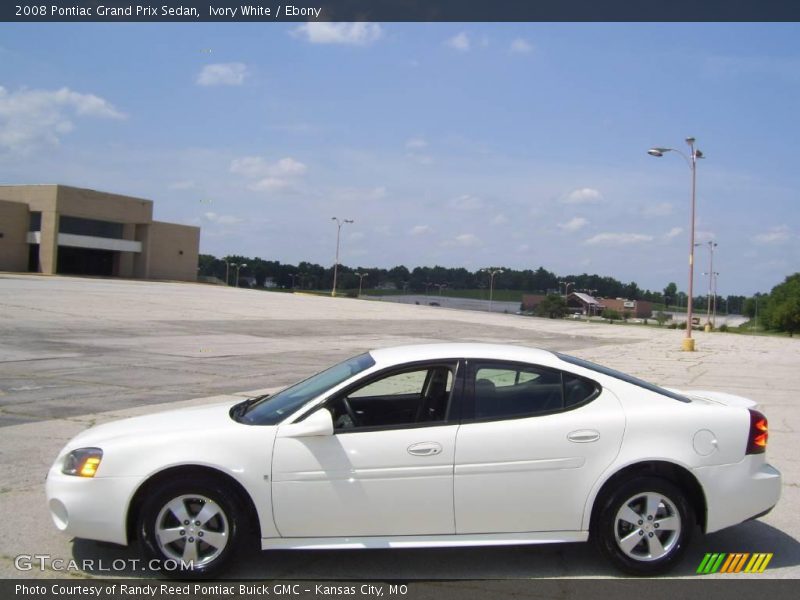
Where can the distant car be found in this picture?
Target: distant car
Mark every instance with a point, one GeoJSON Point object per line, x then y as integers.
{"type": "Point", "coordinates": [420, 446]}
{"type": "Point", "coordinates": [433, 304]}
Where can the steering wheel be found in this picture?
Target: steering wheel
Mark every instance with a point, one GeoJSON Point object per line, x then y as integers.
{"type": "Point", "coordinates": [350, 412]}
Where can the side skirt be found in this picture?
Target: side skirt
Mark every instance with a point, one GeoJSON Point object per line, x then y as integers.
{"type": "Point", "coordinates": [424, 541]}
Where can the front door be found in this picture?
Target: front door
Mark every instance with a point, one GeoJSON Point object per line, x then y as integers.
{"type": "Point", "coordinates": [386, 470]}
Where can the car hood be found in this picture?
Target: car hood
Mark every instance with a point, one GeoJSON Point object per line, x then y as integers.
{"type": "Point", "coordinates": [722, 398]}
{"type": "Point", "coordinates": [194, 419]}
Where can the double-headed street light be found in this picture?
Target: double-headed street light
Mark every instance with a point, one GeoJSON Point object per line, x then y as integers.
{"type": "Point", "coordinates": [691, 159]}
{"type": "Point", "coordinates": [339, 225]}
{"type": "Point", "coordinates": [492, 272]}
{"type": "Point", "coordinates": [237, 267]}
{"type": "Point", "coordinates": [360, 280]}
{"type": "Point", "coordinates": [710, 273]}
{"type": "Point", "coordinates": [712, 278]}
{"type": "Point", "coordinates": [566, 285]}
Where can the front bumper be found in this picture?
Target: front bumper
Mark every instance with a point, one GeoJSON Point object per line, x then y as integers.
{"type": "Point", "coordinates": [738, 492]}
{"type": "Point", "coordinates": [93, 508]}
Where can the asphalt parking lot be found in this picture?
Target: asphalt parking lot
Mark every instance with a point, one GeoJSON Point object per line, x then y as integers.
{"type": "Point", "coordinates": [75, 352]}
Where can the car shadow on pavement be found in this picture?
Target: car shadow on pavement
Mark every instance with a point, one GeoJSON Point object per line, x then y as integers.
{"type": "Point", "coordinates": [493, 562]}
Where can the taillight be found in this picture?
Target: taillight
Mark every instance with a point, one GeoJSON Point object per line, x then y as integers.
{"type": "Point", "coordinates": [759, 433]}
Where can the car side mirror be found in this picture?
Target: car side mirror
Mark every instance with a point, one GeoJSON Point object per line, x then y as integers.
{"type": "Point", "coordinates": [318, 423]}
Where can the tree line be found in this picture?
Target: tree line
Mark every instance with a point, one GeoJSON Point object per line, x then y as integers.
{"type": "Point", "coordinates": [312, 276]}
{"type": "Point", "coordinates": [780, 309]}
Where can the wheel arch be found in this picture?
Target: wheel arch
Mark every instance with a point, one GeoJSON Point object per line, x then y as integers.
{"type": "Point", "coordinates": [677, 474]}
{"type": "Point", "coordinates": [190, 472]}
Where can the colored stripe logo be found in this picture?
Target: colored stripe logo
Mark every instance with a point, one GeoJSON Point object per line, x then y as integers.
{"type": "Point", "coordinates": [735, 562]}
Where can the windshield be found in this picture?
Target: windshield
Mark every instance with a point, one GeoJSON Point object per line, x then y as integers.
{"type": "Point", "coordinates": [275, 408]}
{"type": "Point", "coordinates": [620, 375]}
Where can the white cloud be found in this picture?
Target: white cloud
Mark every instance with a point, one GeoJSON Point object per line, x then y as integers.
{"type": "Point", "coordinates": [271, 176]}
{"type": "Point", "coordinates": [673, 233]}
{"type": "Point", "coordinates": [460, 42]}
{"type": "Point", "coordinates": [222, 74]}
{"type": "Point", "coordinates": [466, 202]}
{"type": "Point", "coordinates": [500, 219]}
{"type": "Point", "coordinates": [32, 118]}
{"type": "Point", "coordinates": [182, 185]}
{"type": "Point", "coordinates": [574, 224]}
{"type": "Point", "coordinates": [520, 46]}
{"type": "Point", "coordinates": [420, 230]}
{"type": "Point", "coordinates": [618, 239]}
{"type": "Point", "coordinates": [354, 194]}
{"type": "Point", "coordinates": [582, 196]}
{"type": "Point", "coordinates": [288, 166]}
{"type": "Point", "coordinates": [776, 235]}
{"type": "Point", "coordinates": [222, 219]}
{"type": "Point", "coordinates": [464, 240]}
{"type": "Point", "coordinates": [704, 236]}
{"type": "Point", "coordinates": [416, 143]}
{"type": "Point", "coordinates": [269, 184]}
{"type": "Point", "coordinates": [352, 34]}
{"type": "Point", "coordinates": [662, 209]}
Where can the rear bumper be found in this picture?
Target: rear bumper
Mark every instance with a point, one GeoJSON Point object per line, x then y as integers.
{"type": "Point", "coordinates": [739, 492]}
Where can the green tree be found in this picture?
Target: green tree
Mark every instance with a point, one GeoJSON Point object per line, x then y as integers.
{"type": "Point", "coordinates": [553, 307]}
{"type": "Point", "coordinates": [669, 293]}
{"type": "Point", "coordinates": [783, 306]}
{"type": "Point", "coordinates": [662, 318]}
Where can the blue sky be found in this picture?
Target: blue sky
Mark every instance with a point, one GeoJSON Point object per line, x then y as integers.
{"type": "Point", "coordinates": [467, 144]}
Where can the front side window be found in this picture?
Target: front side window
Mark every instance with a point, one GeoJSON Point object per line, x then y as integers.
{"type": "Point", "coordinates": [418, 396]}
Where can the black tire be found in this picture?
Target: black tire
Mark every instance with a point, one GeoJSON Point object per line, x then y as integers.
{"type": "Point", "coordinates": [649, 545]}
{"type": "Point", "coordinates": [209, 545]}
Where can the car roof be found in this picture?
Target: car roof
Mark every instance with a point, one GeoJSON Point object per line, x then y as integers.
{"type": "Point", "coordinates": [401, 354]}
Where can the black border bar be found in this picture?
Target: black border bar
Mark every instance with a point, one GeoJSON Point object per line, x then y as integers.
{"type": "Point", "coordinates": [544, 589]}
{"type": "Point", "coordinates": [402, 10]}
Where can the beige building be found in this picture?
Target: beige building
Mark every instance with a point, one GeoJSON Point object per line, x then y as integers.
{"type": "Point", "coordinates": [61, 229]}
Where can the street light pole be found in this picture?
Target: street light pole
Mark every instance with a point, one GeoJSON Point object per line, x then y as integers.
{"type": "Point", "coordinates": [242, 266]}
{"type": "Point", "coordinates": [336, 264]}
{"type": "Point", "coordinates": [227, 273]}
{"type": "Point", "coordinates": [360, 279]}
{"type": "Point", "coordinates": [492, 272]}
{"type": "Point", "coordinates": [711, 246]}
{"type": "Point", "coordinates": [688, 342]}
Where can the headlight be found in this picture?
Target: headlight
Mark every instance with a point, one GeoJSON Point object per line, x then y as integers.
{"type": "Point", "coordinates": [82, 462]}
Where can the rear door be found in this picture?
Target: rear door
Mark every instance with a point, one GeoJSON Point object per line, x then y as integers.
{"type": "Point", "coordinates": [532, 443]}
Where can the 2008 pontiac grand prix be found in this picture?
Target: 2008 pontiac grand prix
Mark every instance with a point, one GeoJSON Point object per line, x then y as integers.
{"type": "Point", "coordinates": [421, 446]}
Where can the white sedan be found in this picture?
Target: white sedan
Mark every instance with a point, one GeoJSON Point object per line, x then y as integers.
{"type": "Point", "coordinates": [421, 446]}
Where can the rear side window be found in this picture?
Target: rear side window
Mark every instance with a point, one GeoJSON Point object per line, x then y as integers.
{"type": "Point", "coordinates": [621, 376]}
{"type": "Point", "coordinates": [507, 391]}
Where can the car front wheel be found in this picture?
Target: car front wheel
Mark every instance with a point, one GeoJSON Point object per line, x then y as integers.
{"type": "Point", "coordinates": [644, 526]}
{"type": "Point", "coordinates": [191, 529]}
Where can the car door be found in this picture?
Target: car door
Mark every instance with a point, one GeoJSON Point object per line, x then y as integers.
{"type": "Point", "coordinates": [388, 467]}
{"type": "Point", "coordinates": [532, 443]}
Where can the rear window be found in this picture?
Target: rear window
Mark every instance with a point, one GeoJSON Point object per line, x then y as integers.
{"type": "Point", "coordinates": [621, 376]}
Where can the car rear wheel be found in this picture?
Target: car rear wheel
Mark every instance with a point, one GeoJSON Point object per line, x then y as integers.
{"type": "Point", "coordinates": [644, 526]}
{"type": "Point", "coordinates": [191, 529]}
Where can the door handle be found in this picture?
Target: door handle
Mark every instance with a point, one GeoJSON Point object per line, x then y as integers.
{"type": "Point", "coordinates": [425, 449]}
{"type": "Point", "coordinates": [583, 436]}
